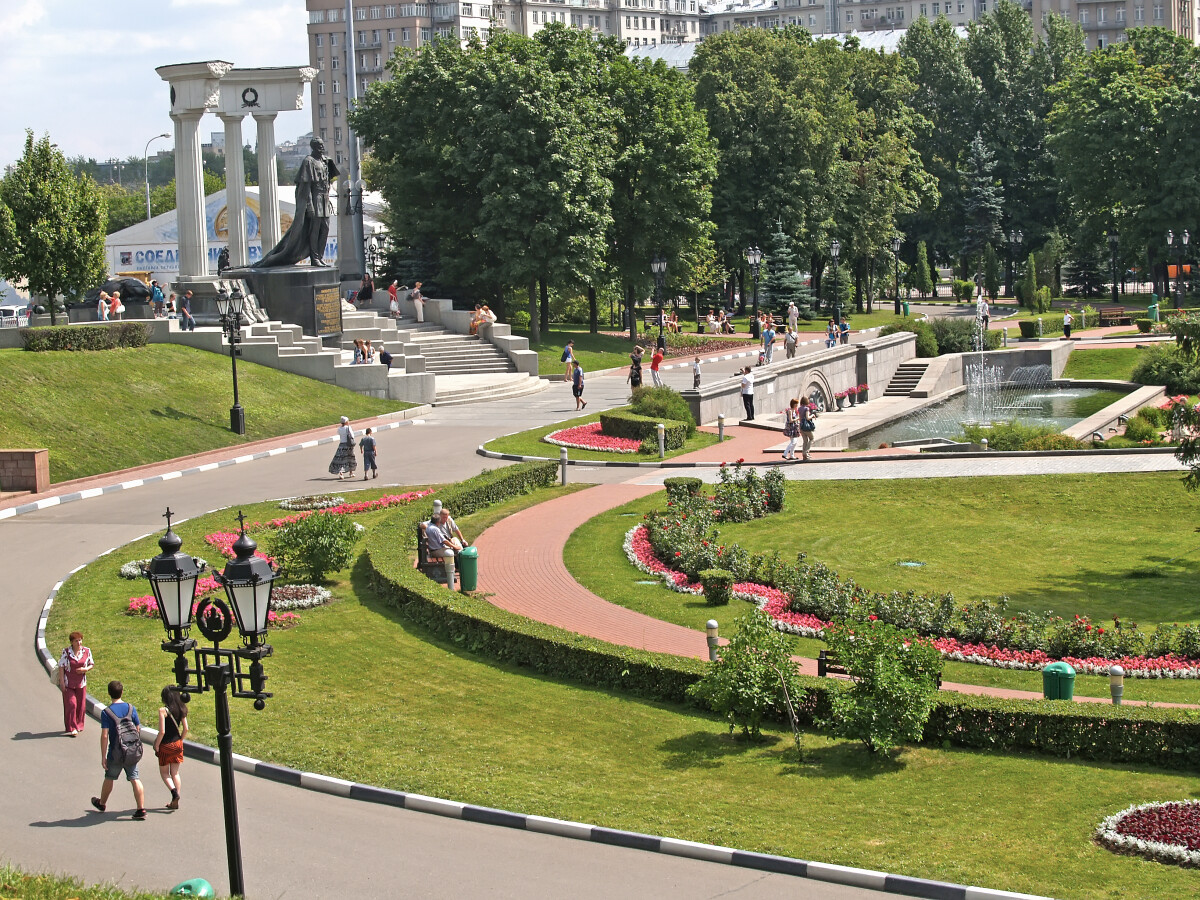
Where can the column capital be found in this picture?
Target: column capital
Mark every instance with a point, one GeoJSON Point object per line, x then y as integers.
{"type": "Point", "coordinates": [194, 86]}
{"type": "Point", "coordinates": [264, 116]}
{"type": "Point", "coordinates": [268, 90]}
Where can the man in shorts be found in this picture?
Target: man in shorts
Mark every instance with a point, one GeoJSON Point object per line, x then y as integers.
{"type": "Point", "coordinates": [110, 750]}
{"type": "Point", "coordinates": [577, 387]}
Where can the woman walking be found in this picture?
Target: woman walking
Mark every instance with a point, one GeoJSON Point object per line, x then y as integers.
{"type": "Point", "coordinates": [74, 664]}
{"type": "Point", "coordinates": [343, 462]}
{"type": "Point", "coordinates": [808, 425]}
{"type": "Point", "coordinates": [168, 746]}
{"type": "Point", "coordinates": [791, 428]}
{"type": "Point", "coordinates": [635, 368]}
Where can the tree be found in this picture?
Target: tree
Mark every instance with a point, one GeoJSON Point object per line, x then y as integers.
{"type": "Point", "coordinates": [982, 203]}
{"type": "Point", "coordinates": [51, 225]}
{"type": "Point", "coordinates": [922, 280]}
{"type": "Point", "coordinates": [783, 284]}
{"type": "Point", "coordinates": [991, 272]}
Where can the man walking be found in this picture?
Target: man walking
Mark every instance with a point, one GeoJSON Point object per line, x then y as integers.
{"type": "Point", "coordinates": [748, 392]}
{"type": "Point", "coordinates": [577, 387]}
{"type": "Point", "coordinates": [120, 749]}
{"type": "Point", "coordinates": [186, 322]}
{"type": "Point", "coordinates": [768, 340]}
{"type": "Point", "coordinates": [793, 315]}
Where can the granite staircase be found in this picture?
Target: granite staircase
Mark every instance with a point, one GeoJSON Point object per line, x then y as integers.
{"type": "Point", "coordinates": [904, 382]}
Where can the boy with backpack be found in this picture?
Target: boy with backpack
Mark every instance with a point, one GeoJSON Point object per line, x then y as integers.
{"type": "Point", "coordinates": [120, 748]}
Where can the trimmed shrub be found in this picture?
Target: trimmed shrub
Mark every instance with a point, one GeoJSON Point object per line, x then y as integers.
{"type": "Point", "coordinates": [1144, 325]}
{"type": "Point", "coordinates": [718, 586]}
{"type": "Point", "coordinates": [927, 344]}
{"type": "Point", "coordinates": [662, 404]}
{"type": "Point", "coordinates": [776, 486]}
{"type": "Point", "coordinates": [1139, 429]}
{"type": "Point", "coordinates": [680, 488]}
{"type": "Point", "coordinates": [1006, 436]}
{"type": "Point", "coordinates": [311, 548]}
{"type": "Point", "coordinates": [1051, 324]}
{"type": "Point", "coordinates": [1053, 442]}
{"type": "Point", "coordinates": [620, 423]}
{"type": "Point", "coordinates": [85, 337]}
{"type": "Point", "coordinates": [1167, 366]}
{"type": "Point", "coordinates": [1157, 417]}
{"type": "Point", "coordinates": [958, 335]}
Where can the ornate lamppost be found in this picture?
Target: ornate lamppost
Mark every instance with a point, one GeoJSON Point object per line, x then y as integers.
{"type": "Point", "coordinates": [1182, 249]}
{"type": "Point", "coordinates": [372, 253]}
{"type": "Point", "coordinates": [1015, 238]}
{"type": "Point", "coordinates": [229, 308]}
{"type": "Point", "coordinates": [754, 260]}
{"type": "Point", "coordinates": [658, 266]}
{"type": "Point", "coordinates": [835, 250]}
{"type": "Point", "coordinates": [1114, 241]}
{"type": "Point", "coordinates": [248, 581]}
{"type": "Point", "coordinates": [896, 257]}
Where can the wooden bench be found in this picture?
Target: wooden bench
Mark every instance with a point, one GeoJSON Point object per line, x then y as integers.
{"type": "Point", "coordinates": [1114, 315]}
{"type": "Point", "coordinates": [434, 568]}
{"type": "Point", "coordinates": [828, 663]}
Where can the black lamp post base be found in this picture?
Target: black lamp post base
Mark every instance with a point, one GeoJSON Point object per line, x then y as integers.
{"type": "Point", "coordinates": [237, 419]}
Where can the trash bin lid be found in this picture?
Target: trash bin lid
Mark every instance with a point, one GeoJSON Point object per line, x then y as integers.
{"type": "Point", "coordinates": [1061, 669]}
{"type": "Point", "coordinates": [473, 553]}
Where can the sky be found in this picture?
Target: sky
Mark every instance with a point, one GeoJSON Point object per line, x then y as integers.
{"type": "Point", "coordinates": [83, 70]}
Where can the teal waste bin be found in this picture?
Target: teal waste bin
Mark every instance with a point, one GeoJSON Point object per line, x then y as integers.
{"type": "Point", "coordinates": [1058, 681]}
{"type": "Point", "coordinates": [1152, 312]}
{"type": "Point", "coordinates": [193, 887]}
{"type": "Point", "coordinates": [906, 307]}
{"type": "Point", "coordinates": [468, 569]}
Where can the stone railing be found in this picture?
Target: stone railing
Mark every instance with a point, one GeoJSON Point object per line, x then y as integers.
{"type": "Point", "coordinates": [25, 470]}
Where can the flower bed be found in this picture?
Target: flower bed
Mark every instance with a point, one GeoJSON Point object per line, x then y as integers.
{"type": "Point", "coordinates": [589, 437]}
{"type": "Point", "coordinates": [147, 607]}
{"type": "Point", "coordinates": [313, 501]}
{"type": "Point", "coordinates": [1163, 832]}
{"type": "Point", "coordinates": [776, 603]}
{"type": "Point", "coordinates": [136, 568]}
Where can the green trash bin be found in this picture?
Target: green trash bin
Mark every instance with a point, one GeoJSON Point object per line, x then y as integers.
{"type": "Point", "coordinates": [905, 307]}
{"type": "Point", "coordinates": [1058, 681]}
{"type": "Point", "coordinates": [193, 887]}
{"type": "Point", "coordinates": [468, 569]}
{"type": "Point", "coordinates": [1152, 312]}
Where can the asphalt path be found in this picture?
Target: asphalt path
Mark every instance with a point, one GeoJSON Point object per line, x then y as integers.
{"type": "Point", "coordinates": [296, 843]}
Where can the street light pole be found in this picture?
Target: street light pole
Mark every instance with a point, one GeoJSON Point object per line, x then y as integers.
{"type": "Point", "coordinates": [1183, 242]}
{"type": "Point", "coordinates": [229, 308]}
{"type": "Point", "coordinates": [1014, 241]}
{"type": "Point", "coordinates": [896, 257]}
{"type": "Point", "coordinates": [1113, 242]}
{"type": "Point", "coordinates": [146, 169]}
{"type": "Point", "coordinates": [835, 250]}
{"type": "Point", "coordinates": [754, 258]}
{"type": "Point", "coordinates": [658, 266]}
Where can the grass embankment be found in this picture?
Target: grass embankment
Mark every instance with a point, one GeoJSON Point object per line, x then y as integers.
{"type": "Point", "coordinates": [461, 727]}
{"type": "Point", "coordinates": [19, 885]}
{"type": "Point", "coordinates": [608, 351]}
{"type": "Point", "coordinates": [99, 411]}
{"type": "Point", "coordinates": [1069, 543]}
{"type": "Point", "coordinates": [530, 443]}
{"type": "Point", "coordinates": [1115, 363]}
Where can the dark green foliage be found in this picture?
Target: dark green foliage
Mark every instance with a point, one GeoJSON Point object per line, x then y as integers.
{"type": "Point", "coordinates": [680, 488]}
{"type": "Point", "coordinates": [1159, 418]}
{"type": "Point", "coordinates": [1054, 442]}
{"type": "Point", "coordinates": [85, 337]}
{"type": "Point", "coordinates": [958, 335]}
{"type": "Point", "coordinates": [783, 283]}
{"type": "Point", "coordinates": [1139, 429]}
{"type": "Point", "coordinates": [1006, 436]}
{"type": "Point", "coordinates": [1052, 323]}
{"type": "Point", "coordinates": [311, 548]}
{"type": "Point", "coordinates": [991, 272]}
{"type": "Point", "coordinates": [964, 289]}
{"type": "Point", "coordinates": [1168, 366]}
{"type": "Point", "coordinates": [619, 423]}
{"type": "Point", "coordinates": [663, 403]}
{"type": "Point", "coordinates": [1144, 325]}
{"type": "Point", "coordinates": [927, 342]}
{"type": "Point", "coordinates": [718, 586]}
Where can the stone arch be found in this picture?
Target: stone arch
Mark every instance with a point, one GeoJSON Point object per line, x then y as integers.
{"type": "Point", "coordinates": [818, 390]}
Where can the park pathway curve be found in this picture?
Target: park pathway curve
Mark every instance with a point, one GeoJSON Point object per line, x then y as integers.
{"type": "Point", "coordinates": [524, 572]}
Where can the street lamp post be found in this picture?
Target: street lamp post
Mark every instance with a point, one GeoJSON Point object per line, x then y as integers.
{"type": "Point", "coordinates": [1113, 243]}
{"type": "Point", "coordinates": [896, 257]}
{"type": "Point", "coordinates": [248, 581]}
{"type": "Point", "coordinates": [754, 259]}
{"type": "Point", "coordinates": [229, 308]}
{"type": "Point", "coordinates": [1182, 249]}
{"type": "Point", "coordinates": [1014, 241]}
{"type": "Point", "coordinates": [146, 169]}
{"type": "Point", "coordinates": [372, 253]}
{"type": "Point", "coordinates": [658, 266]}
{"type": "Point", "coordinates": [835, 250]}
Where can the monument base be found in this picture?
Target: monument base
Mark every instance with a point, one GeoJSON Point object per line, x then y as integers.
{"type": "Point", "coordinates": [307, 296]}
{"type": "Point", "coordinates": [204, 296]}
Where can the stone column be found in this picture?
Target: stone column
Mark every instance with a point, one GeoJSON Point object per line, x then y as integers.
{"type": "Point", "coordinates": [189, 195]}
{"type": "Point", "coordinates": [235, 191]}
{"type": "Point", "coordinates": [268, 183]}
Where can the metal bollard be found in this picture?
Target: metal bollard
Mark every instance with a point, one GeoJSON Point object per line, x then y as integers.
{"type": "Point", "coordinates": [562, 463]}
{"type": "Point", "coordinates": [984, 444]}
{"type": "Point", "coordinates": [1005, 337]}
{"type": "Point", "coordinates": [711, 629]}
{"type": "Point", "coordinates": [720, 427]}
{"type": "Point", "coordinates": [662, 440]}
{"type": "Point", "coordinates": [1116, 684]}
{"type": "Point", "coordinates": [1039, 326]}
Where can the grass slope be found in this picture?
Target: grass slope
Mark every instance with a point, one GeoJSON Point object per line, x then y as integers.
{"type": "Point", "coordinates": [16, 883]}
{"type": "Point", "coordinates": [460, 727]}
{"type": "Point", "coordinates": [1113, 363]}
{"type": "Point", "coordinates": [104, 410]}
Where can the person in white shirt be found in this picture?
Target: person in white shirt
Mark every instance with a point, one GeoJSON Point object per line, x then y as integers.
{"type": "Point", "coordinates": [793, 316]}
{"type": "Point", "coordinates": [1067, 323]}
{"type": "Point", "coordinates": [696, 374]}
{"type": "Point", "coordinates": [748, 392]}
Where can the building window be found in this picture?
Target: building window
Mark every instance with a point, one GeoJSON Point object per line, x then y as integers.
{"type": "Point", "coordinates": [1083, 16]}
{"type": "Point", "coordinates": [361, 14]}
{"type": "Point", "coordinates": [405, 35]}
{"type": "Point", "coordinates": [321, 63]}
{"type": "Point", "coordinates": [485, 12]}
{"type": "Point", "coordinates": [426, 35]}
{"type": "Point", "coordinates": [365, 83]}
{"type": "Point", "coordinates": [1121, 14]}
{"type": "Point", "coordinates": [468, 9]}
{"type": "Point", "coordinates": [1101, 15]}
{"type": "Point", "coordinates": [1139, 14]}
{"type": "Point", "coordinates": [375, 36]}
{"type": "Point", "coordinates": [324, 134]}
{"type": "Point", "coordinates": [333, 39]}
{"type": "Point", "coordinates": [316, 16]}
{"type": "Point", "coordinates": [339, 157]}
{"type": "Point", "coordinates": [362, 39]}
{"type": "Point", "coordinates": [1158, 12]}
{"type": "Point", "coordinates": [849, 18]}
{"type": "Point", "coordinates": [321, 111]}
{"type": "Point", "coordinates": [321, 88]}
{"type": "Point", "coordinates": [982, 7]}
{"type": "Point", "coordinates": [1101, 40]}
{"type": "Point", "coordinates": [924, 15]}
{"type": "Point", "coordinates": [390, 12]}
{"type": "Point", "coordinates": [320, 40]}
{"type": "Point", "coordinates": [937, 10]}
{"type": "Point", "coordinates": [376, 12]}
{"type": "Point", "coordinates": [337, 110]}
{"type": "Point", "coordinates": [337, 86]}
{"type": "Point", "coordinates": [337, 135]}
{"type": "Point", "coordinates": [336, 62]}
{"type": "Point", "coordinates": [391, 35]}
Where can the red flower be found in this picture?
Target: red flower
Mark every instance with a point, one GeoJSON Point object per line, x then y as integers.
{"type": "Point", "coordinates": [873, 618]}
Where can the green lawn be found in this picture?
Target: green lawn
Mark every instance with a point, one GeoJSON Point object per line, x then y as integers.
{"type": "Point", "coordinates": [102, 410]}
{"type": "Point", "coordinates": [461, 727]}
{"type": "Point", "coordinates": [21, 885]}
{"type": "Point", "coordinates": [595, 558]}
{"type": "Point", "coordinates": [1113, 363]}
{"type": "Point", "coordinates": [601, 351]}
{"type": "Point", "coordinates": [530, 443]}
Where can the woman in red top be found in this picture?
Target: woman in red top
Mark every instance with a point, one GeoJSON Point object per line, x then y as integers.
{"type": "Point", "coordinates": [655, 362]}
{"type": "Point", "coordinates": [75, 662]}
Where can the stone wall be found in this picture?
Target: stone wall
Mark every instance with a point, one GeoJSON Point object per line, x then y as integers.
{"type": "Point", "coordinates": [25, 470]}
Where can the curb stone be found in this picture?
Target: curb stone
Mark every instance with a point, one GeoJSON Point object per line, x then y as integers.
{"type": "Point", "coordinates": [763, 862]}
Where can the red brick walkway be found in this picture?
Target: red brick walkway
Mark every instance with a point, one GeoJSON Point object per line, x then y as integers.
{"type": "Point", "coordinates": [525, 574]}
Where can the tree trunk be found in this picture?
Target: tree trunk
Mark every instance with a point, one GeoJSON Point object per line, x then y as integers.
{"type": "Point", "coordinates": [871, 288]}
{"type": "Point", "coordinates": [499, 306]}
{"type": "Point", "coordinates": [50, 295]}
{"type": "Point", "coordinates": [741, 280]}
{"type": "Point", "coordinates": [632, 323]}
{"type": "Point", "coordinates": [545, 313]}
{"type": "Point", "coordinates": [858, 286]}
{"type": "Point", "coordinates": [535, 331]}
{"type": "Point", "coordinates": [593, 311]}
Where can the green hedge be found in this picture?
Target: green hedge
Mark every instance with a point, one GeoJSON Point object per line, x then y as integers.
{"type": "Point", "coordinates": [1051, 324]}
{"type": "Point", "coordinates": [619, 423]}
{"type": "Point", "coordinates": [718, 586]}
{"type": "Point", "coordinates": [85, 337]}
{"type": "Point", "coordinates": [680, 488]}
{"type": "Point", "coordinates": [1096, 731]}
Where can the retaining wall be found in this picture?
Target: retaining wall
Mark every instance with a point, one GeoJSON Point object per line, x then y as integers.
{"type": "Point", "coordinates": [25, 470]}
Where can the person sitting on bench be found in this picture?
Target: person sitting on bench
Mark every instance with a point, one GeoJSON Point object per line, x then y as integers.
{"type": "Point", "coordinates": [441, 543]}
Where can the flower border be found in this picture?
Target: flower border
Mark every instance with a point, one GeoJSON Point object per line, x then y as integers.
{"type": "Point", "coordinates": [1108, 837]}
{"type": "Point", "coordinates": [592, 428]}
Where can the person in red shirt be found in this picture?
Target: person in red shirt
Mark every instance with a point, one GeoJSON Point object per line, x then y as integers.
{"type": "Point", "coordinates": [655, 362]}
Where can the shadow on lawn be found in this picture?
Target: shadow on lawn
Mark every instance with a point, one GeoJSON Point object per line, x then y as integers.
{"type": "Point", "coordinates": [707, 749]}
{"type": "Point", "coordinates": [170, 412]}
{"type": "Point", "coordinates": [842, 759]}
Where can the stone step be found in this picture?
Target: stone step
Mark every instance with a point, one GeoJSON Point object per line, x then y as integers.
{"type": "Point", "coordinates": [515, 387]}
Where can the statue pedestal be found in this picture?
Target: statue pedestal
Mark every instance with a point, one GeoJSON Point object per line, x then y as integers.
{"type": "Point", "coordinates": [308, 296]}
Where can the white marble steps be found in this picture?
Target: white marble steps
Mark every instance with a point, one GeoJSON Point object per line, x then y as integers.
{"type": "Point", "coordinates": [455, 390]}
{"type": "Point", "coordinates": [904, 382]}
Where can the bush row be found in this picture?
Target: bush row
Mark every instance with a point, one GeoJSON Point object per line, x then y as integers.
{"type": "Point", "coordinates": [944, 335]}
{"type": "Point", "coordinates": [1162, 737]}
{"type": "Point", "coordinates": [1166, 365]}
{"type": "Point", "coordinates": [643, 428]}
{"type": "Point", "coordinates": [1052, 323]}
{"type": "Point", "coordinates": [85, 337]}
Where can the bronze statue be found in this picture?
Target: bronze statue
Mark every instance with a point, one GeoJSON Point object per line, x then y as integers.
{"type": "Point", "coordinates": [223, 260]}
{"type": "Point", "coordinates": [310, 228]}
